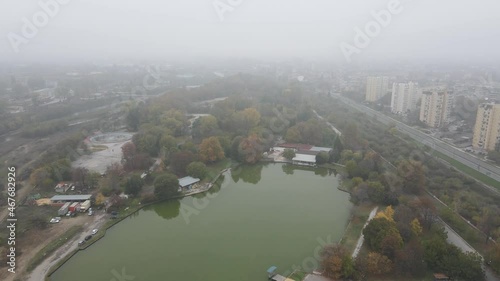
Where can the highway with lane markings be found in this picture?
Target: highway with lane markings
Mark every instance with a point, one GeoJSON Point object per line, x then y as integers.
{"type": "Point", "coordinates": [471, 161]}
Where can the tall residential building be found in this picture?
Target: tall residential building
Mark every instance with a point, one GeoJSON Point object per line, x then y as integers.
{"type": "Point", "coordinates": [487, 127]}
{"type": "Point", "coordinates": [376, 87]}
{"type": "Point", "coordinates": [404, 97]}
{"type": "Point", "coordinates": [435, 108]}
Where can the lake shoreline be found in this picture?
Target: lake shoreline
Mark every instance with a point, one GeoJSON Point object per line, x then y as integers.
{"type": "Point", "coordinates": [134, 210]}
{"type": "Point", "coordinates": [102, 233]}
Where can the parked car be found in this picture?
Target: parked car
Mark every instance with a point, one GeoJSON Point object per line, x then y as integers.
{"type": "Point", "coordinates": [81, 242]}
{"type": "Point", "coordinates": [68, 214]}
{"type": "Point", "coordinates": [94, 231]}
{"type": "Point", "coordinates": [91, 213]}
{"type": "Point", "coordinates": [88, 237]}
{"type": "Point", "coordinates": [54, 220]}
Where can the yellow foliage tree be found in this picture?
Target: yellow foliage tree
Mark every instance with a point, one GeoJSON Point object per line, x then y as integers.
{"type": "Point", "coordinates": [100, 199]}
{"type": "Point", "coordinates": [387, 214]}
{"type": "Point", "coordinates": [211, 150]}
{"type": "Point", "coordinates": [416, 228]}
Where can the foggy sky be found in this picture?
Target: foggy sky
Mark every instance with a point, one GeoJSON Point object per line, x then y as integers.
{"type": "Point", "coordinates": [164, 29]}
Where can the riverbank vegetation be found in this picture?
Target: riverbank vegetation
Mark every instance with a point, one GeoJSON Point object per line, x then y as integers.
{"type": "Point", "coordinates": [175, 137]}
{"type": "Point", "coordinates": [406, 240]}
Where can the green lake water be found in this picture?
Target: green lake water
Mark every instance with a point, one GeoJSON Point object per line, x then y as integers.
{"type": "Point", "coordinates": [256, 217]}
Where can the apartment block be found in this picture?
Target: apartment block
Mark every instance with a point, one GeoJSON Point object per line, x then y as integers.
{"type": "Point", "coordinates": [404, 97]}
{"type": "Point", "coordinates": [435, 108]}
{"type": "Point", "coordinates": [376, 87]}
{"type": "Point", "coordinates": [487, 127]}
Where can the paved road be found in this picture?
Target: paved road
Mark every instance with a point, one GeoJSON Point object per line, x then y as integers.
{"type": "Point", "coordinates": [42, 269]}
{"type": "Point", "coordinates": [455, 239]}
{"type": "Point", "coordinates": [437, 144]}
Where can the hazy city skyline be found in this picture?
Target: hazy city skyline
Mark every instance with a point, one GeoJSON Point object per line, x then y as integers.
{"type": "Point", "coordinates": [78, 30]}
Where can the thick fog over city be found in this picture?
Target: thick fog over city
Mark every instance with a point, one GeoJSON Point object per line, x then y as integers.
{"type": "Point", "coordinates": [252, 140]}
{"type": "Point", "coordinates": [89, 30]}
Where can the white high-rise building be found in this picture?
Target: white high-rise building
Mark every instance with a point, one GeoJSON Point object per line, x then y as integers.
{"type": "Point", "coordinates": [376, 87]}
{"type": "Point", "coordinates": [487, 128]}
{"type": "Point", "coordinates": [435, 108]}
{"type": "Point", "coordinates": [404, 97]}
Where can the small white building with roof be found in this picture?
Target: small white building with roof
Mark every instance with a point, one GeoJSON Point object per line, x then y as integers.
{"type": "Point", "coordinates": [304, 159]}
{"type": "Point", "coordinates": [187, 182]}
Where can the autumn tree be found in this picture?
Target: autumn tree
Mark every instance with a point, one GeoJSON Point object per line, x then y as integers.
{"type": "Point", "coordinates": [289, 153]}
{"type": "Point", "coordinates": [114, 172]}
{"type": "Point", "coordinates": [180, 161]}
{"type": "Point", "coordinates": [132, 159]}
{"type": "Point", "coordinates": [337, 262]}
{"type": "Point", "coordinates": [376, 264]}
{"type": "Point", "coordinates": [409, 260]}
{"type": "Point", "coordinates": [79, 175]}
{"type": "Point", "coordinates": [245, 120]}
{"type": "Point", "coordinates": [426, 209]}
{"type": "Point", "coordinates": [93, 179]}
{"type": "Point", "coordinates": [133, 185]}
{"type": "Point", "coordinates": [166, 186]}
{"type": "Point", "coordinates": [413, 175]}
{"type": "Point", "coordinates": [382, 236]}
{"type": "Point", "coordinates": [41, 177]}
{"type": "Point", "coordinates": [129, 150]}
{"type": "Point", "coordinates": [251, 149]}
{"type": "Point", "coordinates": [168, 145]}
{"type": "Point", "coordinates": [197, 170]}
{"type": "Point", "coordinates": [322, 157]}
{"type": "Point", "coordinates": [415, 227]}
{"type": "Point", "coordinates": [211, 150]}
{"type": "Point", "coordinates": [205, 126]}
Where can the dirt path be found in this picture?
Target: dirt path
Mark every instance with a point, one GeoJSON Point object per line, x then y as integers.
{"type": "Point", "coordinates": [362, 237]}
{"type": "Point", "coordinates": [41, 270]}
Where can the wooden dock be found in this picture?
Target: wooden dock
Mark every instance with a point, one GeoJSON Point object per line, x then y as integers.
{"type": "Point", "coordinates": [274, 276]}
{"type": "Point", "coordinates": [278, 277]}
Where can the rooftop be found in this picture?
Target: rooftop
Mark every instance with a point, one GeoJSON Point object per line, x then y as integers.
{"type": "Point", "coordinates": [319, 148]}
{"type": "Point", "coordinates": [186, 181]}
{"type": "Point", "coordinates": [71, 197]}
{"type": "Point", "coordinates": [305, 158]}
{"type": "Point", "coordinates": [298, 146]}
